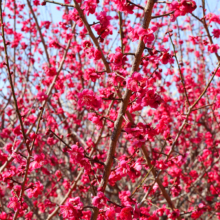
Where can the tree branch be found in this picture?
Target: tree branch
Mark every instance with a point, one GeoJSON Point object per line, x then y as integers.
{"type": "Point", "coordinates": [58, 3]}
{"type": "Point", "coordinates": [180, 72]}
{"type": "Point", "coordinates": [117, 126]}
{"type": "Point", "coordinates": [10, 79]}
{"type": "Point", "coordinates": [159, 16]}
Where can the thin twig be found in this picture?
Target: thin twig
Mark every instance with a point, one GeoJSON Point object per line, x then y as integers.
{"type": "Point", "coordinates": [38, 124]}
{"type": "Point", "coordinates": [202, 107]}
{"type": "Point", "coordinates": [138, 6]}
{"type": "Point", "coordinates": [10, 80]}
{"type": "Point", "coordinates": [132, 54]}
{"type": "Point", "coordinates": [159, 16]}
{"type": "Point", "coordinates": [164, 192]}
{"type": "Point", "coordinates": [80, 174]}
{"type": "Point", "coordinates": [102, 116]}
{"type": "Point", "coordinates": [118, 123]}
{"type": "Point", "coordinates": [58, 3]}
{"type": "Point", "coordinates": [121, 30]}
{"type": "Point", "coordinates": [180, 72]}
{"type": "Point", "coordinates": [39, 30]}
{"type": "Point", "coordinates": [197, 18]}
{"type": "Point", "coordinates": [190, 110]}
{"type": "Point", "coordinates": [142, 181]}
{"type": "Point", "coordinates": [60, 139]}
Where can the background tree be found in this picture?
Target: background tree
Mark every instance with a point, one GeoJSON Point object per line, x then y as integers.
{"type": "Point", "coordinates": [109, 110]}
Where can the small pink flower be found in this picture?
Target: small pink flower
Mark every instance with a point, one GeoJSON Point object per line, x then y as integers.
{"type": "Point", "coordinates": [14, 203]}
{"type": "Point", "coordinates": [39, 161]}
{"type": "Point", "coordinates": [72, 209]}
{"type": "Point", "coordinates": [146, 35]}
{"type": "Point", "coordinates": [134, 82]}
{"type": "Point", "coordinates": [76, 153]}
{"type": "Point", "coordinates": [194, 39]}
{"type": "Point", "coordinates": [90, 73]}
{"type": "Point", "coordinates": [58, 174]}
{"type": "Point", "coordinates": [86, 215]}
{"type": "Point", "coordinates": [174, 215]}
{"type": "Point", "coordinates": [161, 165]}
{"type": "Point", "coordinates": [100, 200]}
{"type": "Point", "coordinates": [213, 48]}
{"type": "Point", "coordinates": [29, 216]}
{"type": "Point", "coordinates": [23, 45]}
{"type": "Point", "coordinates": [46, 24]}
{"type": "Point", "coordinates": [216, 33]}
{"type": "Point", "coordinates": [123, 5]}
{"type": "Point", "coordinates": [126, 214]}
{"type": "Point", "coordinates": [41, 96]}
{"type": "Point", "coordinates": [181, 8]}
{"type": "Point", "coordinates": [187, 6]}
{"type": "Point", "coordinates": [95, 119]}
{"type": "Point", "coordinates": [51, 141]}
{"type": "Point", "coordinates": [35, 190]}
{"type": "Point", "coordinates": [36, 2]}
{"type": "Point", "coordinates": [110, 214]}
{"type": "Point", "coordinates": [17, 130]}
{"type": "Point", "coordinates": [124, 196]}
{"type": "Point", "coordinates": [152, 99]}
{"type": "Point", "coordinates": [89, 7]}
{"type": "Point", "coordinates": [8, 147]}
{"type": "Point", "coordinates": [97, 55]}
{"type": "Point", "coordinates": [104, 18]}
{"type": "Point", "coordinates": [117, 59]}
{"type": "Point", "coordinates": [166, 58]}
{"type": "Point", "coordinates": [161, 211]}
{"type": "Point", "coordinates": [87, 98]}
{"type": "Point", "coordinates": [50, 71]}
{"type": "Point", "coordinates": [213, 18]}
{"type": "Point", "coordinates": [3, 216]}
{"type": "Point", "coordinates": [86, 43]}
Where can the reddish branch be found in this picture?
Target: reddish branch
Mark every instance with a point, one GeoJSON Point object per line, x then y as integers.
{"type": "Point", "coordinates": [38, 123]}
{"type": "Point", "coordinates": [39, 30]}
{"type": "Point", "coordinates": [138, 6]}
{"type": "Point", "coordinates": [91, 34]}
{"type": "Point", "coordinates": [82, 170]}
{"type": "Point", "coordinates": [10, 79]}
{"type": "Point", "coordinates": [160, 16]}
{"type": "Point", "coordinates": [190, 109]}
{"type": "Point", "coordinates": [58, 3]}
{"type": "Point", "coordinates": [206, 27]}
{"type": "Point", "coordinates": [180, 72]}
{"type": "Point", "coordinates": [157, 179]}
{"type": "Point", "coordinates": [117, 126]}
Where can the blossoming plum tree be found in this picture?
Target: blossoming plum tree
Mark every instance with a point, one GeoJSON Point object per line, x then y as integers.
{"type": "Point", "coordinates": [110, 113]}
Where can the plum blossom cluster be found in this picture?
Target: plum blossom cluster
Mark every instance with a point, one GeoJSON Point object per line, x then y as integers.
{"type": "Point", "coordinates": [109, 110]}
